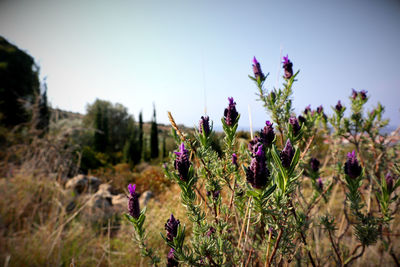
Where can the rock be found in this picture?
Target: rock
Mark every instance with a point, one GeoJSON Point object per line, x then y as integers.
{"type": "Point", "coordinates": [83, 184]}
{"type": "Point", "coordinates": [144, 198]}
{"type": "Point", "coordinates": [120, 203]}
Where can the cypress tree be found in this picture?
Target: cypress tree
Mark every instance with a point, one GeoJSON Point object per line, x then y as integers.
{"type": "Point", "coordinates": [154, 151]}
{"type": "Point", "coordinates": [140, 141]}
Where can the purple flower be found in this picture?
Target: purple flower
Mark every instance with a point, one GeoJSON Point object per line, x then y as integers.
{"type": "Point", "coordinates": [354, 94]}
{"type": "Point", "coordinates": [351, 167]}
{"type": "Point", "coordinates": [288, 67]}
{"type": "Point", "coordinates": [267, 134]}
{"type": "Point", "coordinates": [339, 106]}
{"type": "Point", "coordinates": [363, 94]}
{"type": "Point", "coordinates": [257, 174]}
{"type": "Point", "coordinates": [320, 184]}
{"type": "Point", "coordinates": [171, 262]}
{"type": "Point", "coordinates": [301, 119]}
{"type": "Point", "coordinates": [257, 69]}
{"type": "Point", "coordinates": [389, 182]}
{"type": "Point", "coordinates": [182, 162]}
{"type": "Point", "coordinates": [287, 154]}
{"type": "Point", "coordinates": [320, 109]}
{"type": "Point", "coordinates": [254, 144]}
{"type": "Point", "coordinates": [307, 109]}
{"type": "Point", "coordinates": [234, 160]}
{"type": "Point", "coordinates": [230, 112]}
{"type": "Point", "coordinates": [133, 202]}
{"type": "Point", "coordinates": [314, 163]}
{"type": "Point", "coordinates": [215, 194]}
{"type": "Point", "coordinates": [204, 124]}
{"type": "Point", "coordinates": [295, 125]}
{"type": "Point", "coordinates": [172, 228]}
{"type": "Point", "coordinates": [211, 231]}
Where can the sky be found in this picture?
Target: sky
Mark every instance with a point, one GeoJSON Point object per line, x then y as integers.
{"type": "Point", "coordinates": [188, 56]}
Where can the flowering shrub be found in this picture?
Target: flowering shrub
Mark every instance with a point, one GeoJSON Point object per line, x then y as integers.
{"type": "Point", "coordinates": [268, 203]}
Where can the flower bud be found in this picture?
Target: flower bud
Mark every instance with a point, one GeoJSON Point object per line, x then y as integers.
{"type": "Point", "coordinates": [314, 163]}
{"type": "Point", "coordinates": [389, 182]}
{"type": "Point", "coordinates": [339, 106]}
{"type": "Point", "coordinates": [254, 144]}
{"type": "Point", "coordinates": [354, 94]}
{"type": "Point", "coordinates": [267, 134]}
{"type": "Point", "coordinates": [172, 228]}
{"type": "Point", "coordinates": [287, 154]}
{"type": "Point", "coordinates": [204, 124]}
{"type": "Point", "coordinates": [171, 262]}
{"type": "Point", "coordinates": [320, 109]}
{"type": "Point", "coordinates": [257, 174]}
{"type": "Point", "coordinates": [320, 184]}
{"type": "Point", "coordinates": [301, 119]}
{"type": "Point", "coordinates": [182, 162]}
{"type": "Point", "coordinates": [363, 94]}
{"type": "Point", "coordinates": [257, 69]}
{"type": "Point", "coordinates": [234, 160]}
{"type": "Point", "coordinates": [307, 109]}
{"type": "Point", "coordinates": [230, 113]}
{"type": "Point", "coordinates": [211, 231]}
{"type": "Point", "coordinates": [351, 167]}
{"type": "Point", "coordinates": [133, 202]}
{"type": "Point", "coordinates": [288, 67]}
{"type": "Point", "coordinates": [295, 125]}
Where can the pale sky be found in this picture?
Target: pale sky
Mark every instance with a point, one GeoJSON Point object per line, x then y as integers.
{"type": "Point", "coordinates": [168, 52]}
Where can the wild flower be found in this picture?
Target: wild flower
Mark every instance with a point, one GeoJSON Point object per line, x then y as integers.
{"type": "Point", "coordinates": [301, 119]}
{"type": "Point", "coordinates": [257, 69]}
{"type": "Point", "coordinates": [204, 124]}
{"type": "Point", "coordinates": [234, 160]}
{"type": "Point", "coordinates": [389, 181]}
{"type": "Point", "coordinates": [288, 67]}
{"type": "Point", "coordinates": [267, 134]}
{"type": "Point", "coordinates": [172, 228]}
{"type": "Point", "coordinates": [320, 109]}
{"type": "Point", "coordinates": [307, 110]}
{"type": "Point", "coordinates": [320, 184]}
{"type": "Point", "coordinates": [354, 94]}
{"type": "Point", "coordinates": [182, 163]}
{"type": "Point", "coordinates": [230, 113]}
{"type": "Point", "coordinates": [351, 167]}
{"type": "Point", "coordinates": [171, 262]}
{"type": "Point", "coordinates": [133, 202]}
{"type": "Point", "coordinates": [363, 94]}
{"type": "Point", "coordinates": [339, 106]}
{"type": "Point", "coordinates": [287, 154]}
{"type": "Point", "coordinates": [257, 174]}
{"type": "Point", "coordinates": [295, 125]}
{"type": "Point", "coordinates": [314, 164]}
{"type": "Point", "coordinates": [254, 144]}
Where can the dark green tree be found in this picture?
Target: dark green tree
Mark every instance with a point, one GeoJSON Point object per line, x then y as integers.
{"type": "Point", "coordinates": [44, 112]}
{"type": "Point", "coordinates": [101, 130]}
{"type": "Point", "coordinates": [140, 135]}
{"type": "Point", "coordinates": [19, 84]}
{"type": "Point", "coordinates": [154, 150]}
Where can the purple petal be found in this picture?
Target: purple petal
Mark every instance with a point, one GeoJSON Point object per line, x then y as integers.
{"type": "Point", "coordinates": [132, 188]}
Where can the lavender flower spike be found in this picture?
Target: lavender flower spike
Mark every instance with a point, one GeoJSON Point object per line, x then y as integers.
{"type": "Point", "coordinates": [320, 184]}
{"type": "Point", "coordinates": [234, 159]}
{"type": "Point", "coordinates": [351, 167]}
{"type": "Point", "coordinates": [257, 174]}
{"type": "Point", "coordinates": [287, 154]}
{"type": "Point", "coordinates": [389, 181]}
{"type": "Point", "coordinates": [204, 124]}
{"type": "Point", "coordinates": [230, 113]}
{"type": "Point", "coordinates": [257, 69]}
{"type": "Point", "coordinates": [133, 202]}
{"type": "Point", "coordinates": [339, 106]}
{"type": "Point", "coordinates": [314, 163]}
{"type": "Point", "coordinates": [254, 144]}
{"type": "Point", "coordinates": [172, 228]}
{"type": "Point", "coordinates": [288, 67]}
{"type": "Point", "coordinates": [182, 163]}
{"type": "Point", "coordinates": [295, 125]}
{"type": "Point", "coordinates": [171, 262]}
{"type": "Point", "coordinates": [267, 134]}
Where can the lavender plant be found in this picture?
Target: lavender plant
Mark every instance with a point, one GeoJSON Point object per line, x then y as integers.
{"type": "Point", "coordinates": [261, 204]}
